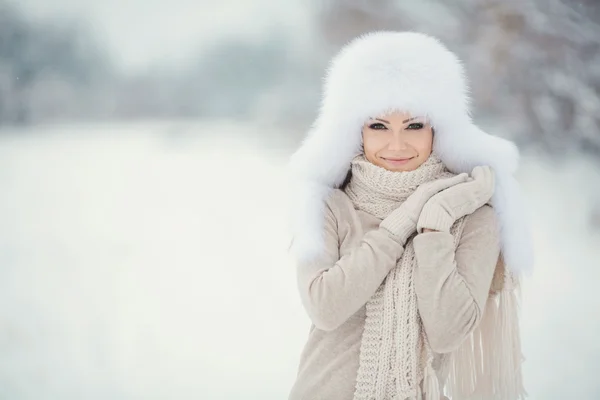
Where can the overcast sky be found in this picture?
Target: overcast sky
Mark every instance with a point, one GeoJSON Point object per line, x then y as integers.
{"type": "Point", "coordinates": [140, 31]}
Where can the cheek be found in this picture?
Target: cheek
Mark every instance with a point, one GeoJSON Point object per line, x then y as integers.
{"type": "Point", "coordinates": [425, 144]}
{"type": "Point", "coordinates": [372, 143]}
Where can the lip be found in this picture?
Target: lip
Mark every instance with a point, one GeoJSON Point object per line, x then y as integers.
{"type": "Point", "coordinates": [397, 161]}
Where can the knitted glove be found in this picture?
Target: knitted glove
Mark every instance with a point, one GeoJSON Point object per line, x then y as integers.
{"type": "Point", "coordinates": [402, 222]}
{"type": "Point", "coordinates": [443, 209]}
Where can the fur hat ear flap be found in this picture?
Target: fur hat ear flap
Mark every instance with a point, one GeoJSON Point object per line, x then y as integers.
{"type": "Point", "coordinates": [306, 218]}
{"type": "Point", "coordinates": [467, 146]}
{"type": "Point", "coordinates": [319, 165]}
{"type": "Point", "coordinates": [327, 151]}
{"type": "Point", "coordinates": [515, 235]}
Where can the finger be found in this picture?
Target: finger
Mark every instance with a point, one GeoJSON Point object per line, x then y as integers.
{"type": "Point", "coordinates": [443, 184]}
{"type": "Point", "coordinates": [449, 182]}
{"type": "Point", "coordinates": [478, 172]}
{"type": "Point", "coordinates": [485, 179]}
{"type": "Point", "coordinates": [485, 173]}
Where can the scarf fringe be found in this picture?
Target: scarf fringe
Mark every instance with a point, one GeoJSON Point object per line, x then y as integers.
{"type": "Point", "coordinates": [487, 366]}
{"type": "Point", "coordinates": [432, 385]}
{"type": "Point", "coordinates": [431, 382]}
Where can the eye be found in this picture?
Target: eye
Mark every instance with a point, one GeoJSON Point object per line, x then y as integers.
{"type": "Point", "coordinates": [377, 126]}
{"type": "Point", "coordinates": [415, 126]}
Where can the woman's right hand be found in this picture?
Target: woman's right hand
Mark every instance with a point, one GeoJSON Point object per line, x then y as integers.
{"type": "Point", "coordinates": [402, 222]}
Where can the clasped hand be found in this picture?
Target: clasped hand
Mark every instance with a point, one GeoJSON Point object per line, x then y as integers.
{"type": "Point", "coordinates": [436, 205]}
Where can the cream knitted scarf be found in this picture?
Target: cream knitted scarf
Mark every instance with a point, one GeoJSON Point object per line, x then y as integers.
{"type": "Point", "coordinates": [396, 361]}
{"type": "Point", "coordinates": [394, 354]}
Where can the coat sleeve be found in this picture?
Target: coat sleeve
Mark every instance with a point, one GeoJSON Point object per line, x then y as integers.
{"type": "Point", "coordinates": [331, 288]}
{"type": "Point", "coordinates": [452, 285]}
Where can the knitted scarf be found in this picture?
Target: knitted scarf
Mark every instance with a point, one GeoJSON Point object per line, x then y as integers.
{"type": "Point", "coordinates": [396, 361]}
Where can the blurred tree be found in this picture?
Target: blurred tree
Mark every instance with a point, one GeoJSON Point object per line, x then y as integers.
{"type": "Point", "coordinates": [545, 60]}
{"type": "Point", "coordinates": [340, 20]}
{"type": "Point", "coordinates": [231, 76]}
{"type": "Point", "coordinates": [229, 79]}
{"type": "Point", "coordinates": [35, 57]}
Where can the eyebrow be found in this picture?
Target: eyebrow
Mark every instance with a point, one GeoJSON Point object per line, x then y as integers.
{"type": "Point", "coordinates": [405, 121]}
{"type": "Point", "coordinates": [410, 119]}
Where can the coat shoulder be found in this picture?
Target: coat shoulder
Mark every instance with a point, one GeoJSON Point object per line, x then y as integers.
{"type": "Point", "coordinates": [484, 215]}
{"type": "Point", "coordinates": [482, 221]}
{"type": "Point", "coordinates": [339, 203]}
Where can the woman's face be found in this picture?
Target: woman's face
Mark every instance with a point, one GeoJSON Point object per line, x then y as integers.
{"type": "Point", "coordinates": [397, 141]}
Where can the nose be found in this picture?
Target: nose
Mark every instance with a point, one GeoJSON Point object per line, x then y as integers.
{"type": "Point", "coordinates": [397, 142]}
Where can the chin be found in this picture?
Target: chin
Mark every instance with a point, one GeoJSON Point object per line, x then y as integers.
{"type": "Point", "coordinates": [410, 166]}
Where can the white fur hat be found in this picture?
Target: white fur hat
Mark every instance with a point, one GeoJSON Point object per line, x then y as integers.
{"type": "Point", "coordinates": [416, 73]}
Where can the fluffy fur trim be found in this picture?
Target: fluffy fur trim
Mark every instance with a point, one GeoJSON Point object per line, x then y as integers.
{"type": "Point", "coordinates": [413, 72]}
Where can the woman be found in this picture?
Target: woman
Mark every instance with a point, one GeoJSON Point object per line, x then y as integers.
{"type": "Point", "coordinates": [408, 233]}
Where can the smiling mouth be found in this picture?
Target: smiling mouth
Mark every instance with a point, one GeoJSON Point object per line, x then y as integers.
{"type": "Point", "coordinates": [398, 160]}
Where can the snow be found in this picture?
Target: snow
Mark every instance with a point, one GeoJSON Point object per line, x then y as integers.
{"type": "Point", "coordinates": [147, 261]}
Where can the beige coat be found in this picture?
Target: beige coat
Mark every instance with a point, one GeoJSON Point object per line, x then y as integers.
{"type": "Point", "coordinates": [452, 287]}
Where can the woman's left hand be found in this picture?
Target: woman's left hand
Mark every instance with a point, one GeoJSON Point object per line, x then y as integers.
{"type": "Point", "coordinates": [443, 209]}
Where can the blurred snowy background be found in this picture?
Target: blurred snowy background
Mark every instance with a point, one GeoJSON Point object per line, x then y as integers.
{"type": "Point", "coordinates": [142, 146]}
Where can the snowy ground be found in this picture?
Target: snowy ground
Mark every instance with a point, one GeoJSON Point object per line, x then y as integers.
{"type": "Point", "coordinates": [147, 261]}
